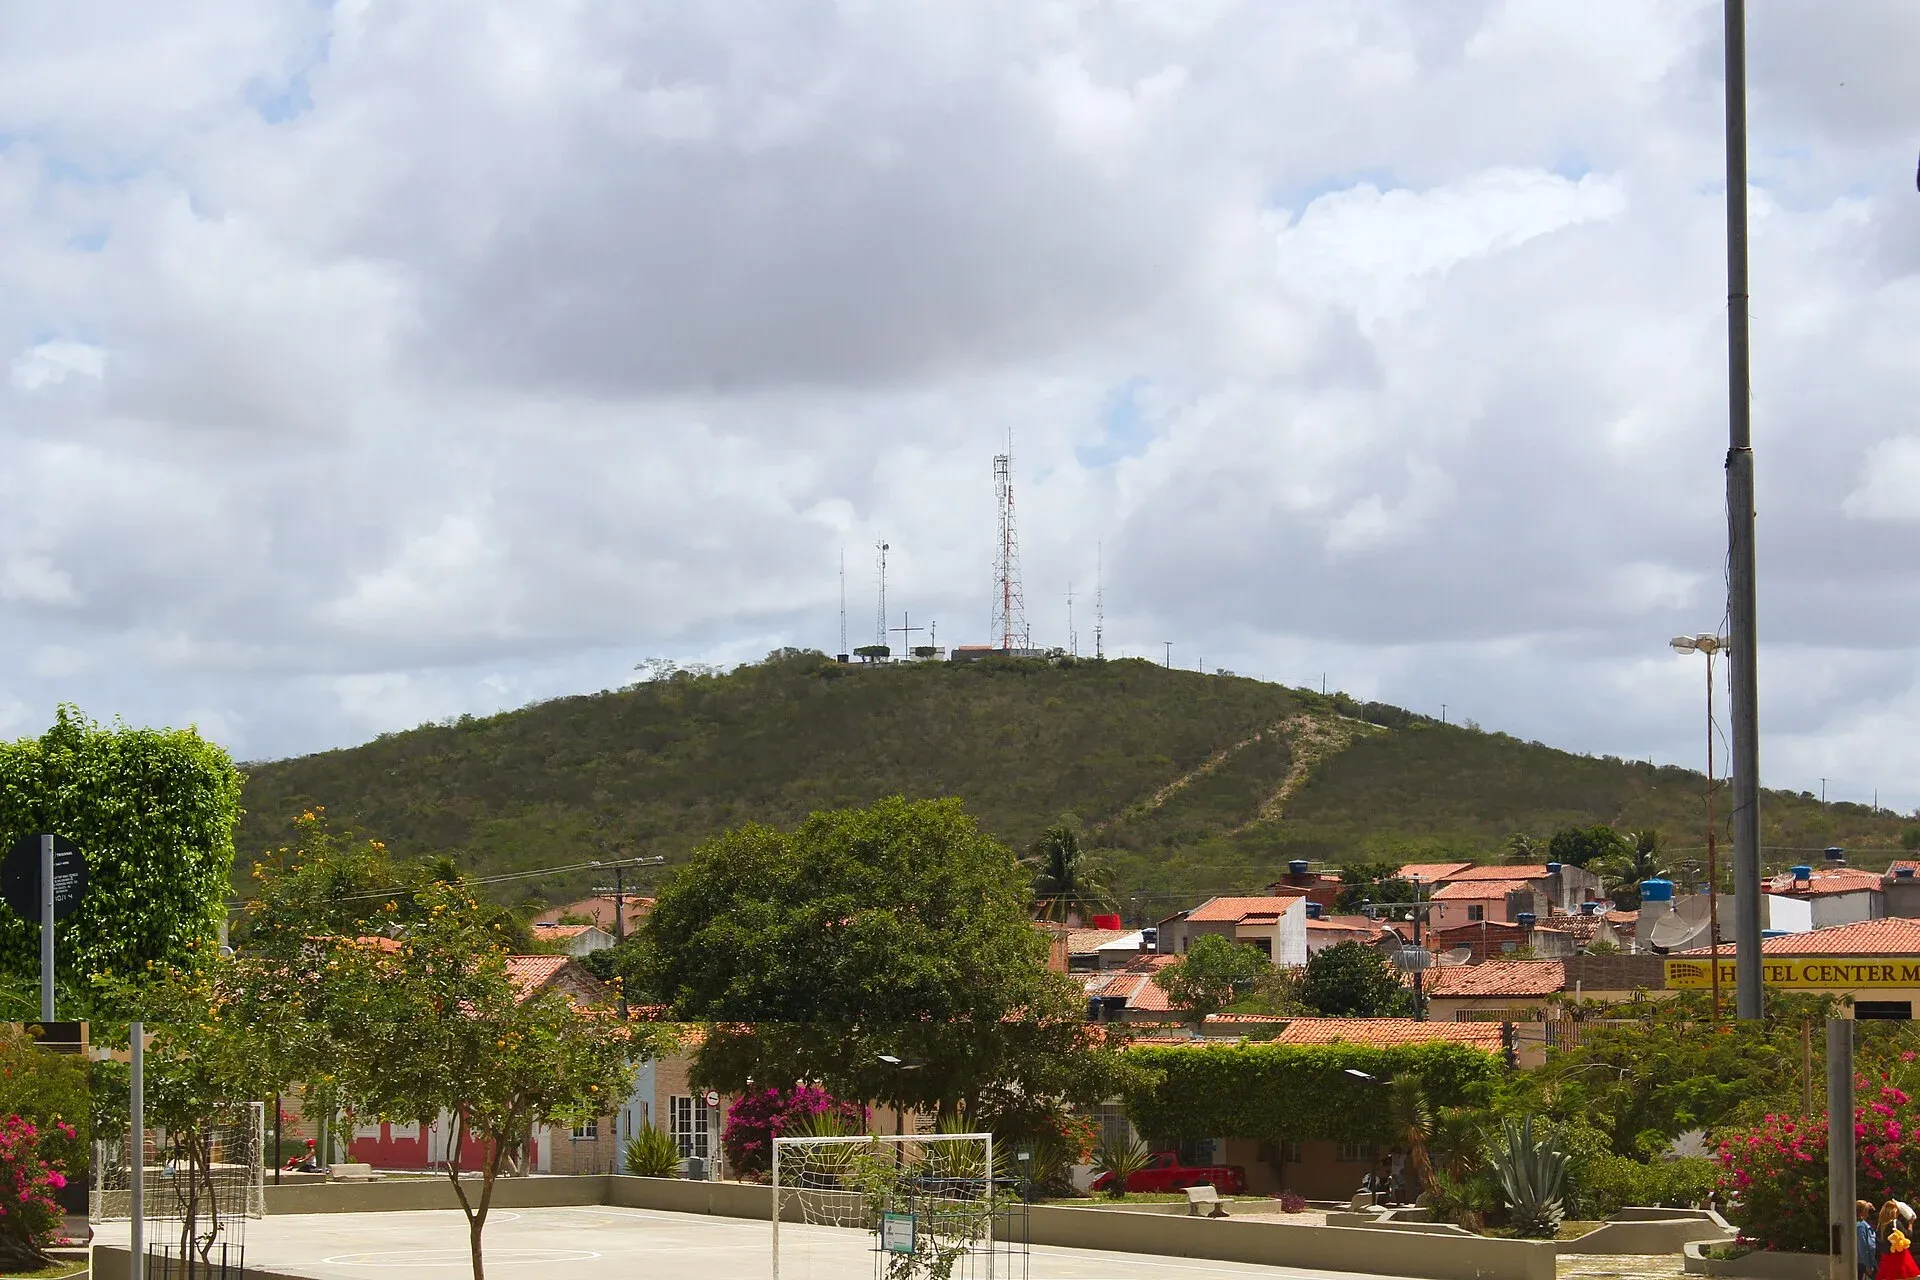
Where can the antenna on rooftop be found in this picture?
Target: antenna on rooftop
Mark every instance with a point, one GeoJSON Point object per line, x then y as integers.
{"type": "Point", "coordinates": [1099, 600]}
{"type": "Point", "coordinates": [1009, 598]}
{"type": "Point", "coordinates": [880, 550]}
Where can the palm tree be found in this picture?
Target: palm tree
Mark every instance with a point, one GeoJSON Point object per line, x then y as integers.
{"type": "Point", "coordinates": [1642, 858]}
{"type": "Point", "coordinates": [1413, 1123]}
{"type": "Point", "coordinates": [1066, 875]}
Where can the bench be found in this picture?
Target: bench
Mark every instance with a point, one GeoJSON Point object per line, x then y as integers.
{"type": "Point", "coordinates": [352, 1173]}
{"type": "Point", "coordinates": [1204, 1196]}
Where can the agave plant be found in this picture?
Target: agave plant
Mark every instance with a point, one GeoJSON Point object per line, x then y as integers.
{"type": "Point", "coordinates": [652, 1153]}
{"type": "Point", "coordinates": [1533, 1179]}
{"type": "Point", "coordinates": [1119, 1161]}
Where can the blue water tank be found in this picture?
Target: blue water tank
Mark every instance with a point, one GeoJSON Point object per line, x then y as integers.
{"type": "Point", "coordinates": [1553, 868]}
{"type": "Point", "coordinates": [1314, 911]}
{"type": "Point", "coordinates": [1589, 908]}
{"type": "Point", "coordinates": [1836, 854]}
{"type": "Point", "coordinates": [1298, 867]}
{"type": "Point", "coordinates": [1803, 874]}
{"type": "Point", "coordinates": [1903, 873]}
{"type": "Point", "coordinates": [1656, 891]}
{"type": "Point", "coordinates": [1524, 919]}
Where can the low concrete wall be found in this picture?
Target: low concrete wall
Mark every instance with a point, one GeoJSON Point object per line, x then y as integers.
{"type": "Point", "coordinates": [1372, 1223]}
{"type": "Point", "coordinates": [1358, 1249]}
{"type": "Point", "coordinates": [437, 1193]}
{"type": "Point", "coordinates": [1669, 1235]}
{"type": "Point", "coordinates": [111, 1263]}
{"type": "Point", "coordinates": [1759, 1265]}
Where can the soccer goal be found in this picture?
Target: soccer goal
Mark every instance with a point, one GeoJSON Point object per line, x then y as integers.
{"type": "Point", "coordinates": [924, 1206]}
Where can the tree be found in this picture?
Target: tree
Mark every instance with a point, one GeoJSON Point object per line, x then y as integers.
{"type": "Point", "coordinates": [1372, 882]}
{"type": "Point", "coordinates": [1353, 980]}
{"type": "Point", "coordinates": [433, 1023]}
{"type": "Point", "coordinates": [1066, 876]}
{"type": "Point", "coordinates": [1206, 979]}
{"type": "Point", "coordinates": [153, 811]}
{"type": "Point", "coordinates": [899, 930]}
{"type": "Point", "coordinates": [1639, 857]}
{"type": "Point", "coordinates": [1578, 846]}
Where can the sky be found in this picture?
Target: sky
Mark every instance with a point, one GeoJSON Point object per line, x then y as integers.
{"type": "Point", "coordinates": [375, 362]}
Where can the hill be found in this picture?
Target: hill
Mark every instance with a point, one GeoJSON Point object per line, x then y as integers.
{"type": "Point", "coordinates": [1198, 784]}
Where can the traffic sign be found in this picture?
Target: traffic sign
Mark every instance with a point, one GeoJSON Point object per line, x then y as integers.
{"type": "Point", "coordinates": [713, 1097]}
{"type": "Point", "coordinates": [20, 878]}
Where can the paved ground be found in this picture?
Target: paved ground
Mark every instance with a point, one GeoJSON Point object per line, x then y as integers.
{"type": "Point", "coordinates": [596, 1243]}
{"type": "Point", "coordinates": [1618, 1266]}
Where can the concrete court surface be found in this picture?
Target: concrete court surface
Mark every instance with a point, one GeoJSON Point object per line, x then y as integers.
{"type": "Point", "coordinates": [602, 1243]}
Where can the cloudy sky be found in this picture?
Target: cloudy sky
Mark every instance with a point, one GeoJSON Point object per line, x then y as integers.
{"type": "Point", "coordinates": [370, 362]}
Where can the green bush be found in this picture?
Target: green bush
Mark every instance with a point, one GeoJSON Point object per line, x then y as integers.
{"type": "Point", "coordinates": [652, 1153]}
{"type": "Point", "coordinates": [1120, 1161]}
{"type": "Point", "coordinates": [1295, 1091]}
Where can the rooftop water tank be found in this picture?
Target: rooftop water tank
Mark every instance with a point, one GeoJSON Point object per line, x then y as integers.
{"type": "Point", "coordinates": [1803, 875]}
{"type": "Point", "coordinates": [1298, 867]}
{"type": "Point", "coordinates": [1835, 854]}
{"type": "Point", "coordinates": [1553, 868]}
{"type": "Point", "coordinates": [1903, 873]}
{"type": "Point", "coordinates": [1524, 919]}
{"type": "Point", "coordinates": [1314, 911]}
{"type": "Point", "coordinates": [1657, 890]}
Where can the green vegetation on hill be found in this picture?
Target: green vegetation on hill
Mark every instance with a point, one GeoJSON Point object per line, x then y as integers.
{"type": "Point", "coordinates": [1193, 784]}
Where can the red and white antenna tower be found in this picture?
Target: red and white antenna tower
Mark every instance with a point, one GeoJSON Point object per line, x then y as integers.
{"type": "Point", "coordinates": [1009, 600]}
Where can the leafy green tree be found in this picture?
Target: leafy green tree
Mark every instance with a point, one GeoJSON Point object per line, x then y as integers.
{"type": "Point", "coordinates": [153, 811]}
{"type": "Point", "coordinates": [1353, 980]}
{"type": "Point", "coordinates": [1208, 977]}
{"type": "Point", "coordinates": [1372, 882]}
{"type": "Point", "coordinates": [1067, 876]}
{"type": "Point", "coordinates": [1578, 846]}
{"type": "Point", "coordinates": [435, 1024]}
{"type": "Point", "coordinates": [899, 931]}
{"type": "Point", "coordinates": [1640, 857]}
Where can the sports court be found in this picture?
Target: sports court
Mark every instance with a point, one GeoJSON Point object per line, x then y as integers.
{"type": "Point", "coordinates": [592, 1242]}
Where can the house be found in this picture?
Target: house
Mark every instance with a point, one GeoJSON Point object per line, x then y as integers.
{"type": "Point", "coordinates": [1433, 874]}
{"type": "Point", "coordinates": [1471, 902]}
{"type": "Point", "coordinates": [1900, 889]}
{"type": "Point", "coordinates": [599, 911]}
{"type": "Point", "coordinates": [1489, 940]}
{"type": "Point", "coordinates": [1275, 925]}
{"type": "Point", "coordinates": [1321, 887]}
{"type": "Point", "coordinates": [1130, 995]}
{"type": "Point", "coordinates": [1331, 931]}
{"type": "Point", "coordinates": [577, 939]}
{"type": "Point", "coordinates": [1876, 962]}
{"type": "Point", "coordinates": [1523, 991]}
{"type": "Point", "coordinates": [1806, 898]}
{"type": "Point", "coordinates": [591, 1148]}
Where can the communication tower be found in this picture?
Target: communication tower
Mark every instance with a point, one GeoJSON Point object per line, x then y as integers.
{"type": "Point", "coordinates": [843, 605]}
{"type": "Point", "coordinates": [1009, 599]}
{"type": "Point", "coordinates": [1099, 601]}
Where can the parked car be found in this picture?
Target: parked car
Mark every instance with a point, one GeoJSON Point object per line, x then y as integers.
{"type": "Point", "coordinates": [1166, 1173]}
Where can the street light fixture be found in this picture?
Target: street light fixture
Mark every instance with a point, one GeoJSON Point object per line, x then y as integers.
{"type": "Point", "coordinates": [1709, 644]}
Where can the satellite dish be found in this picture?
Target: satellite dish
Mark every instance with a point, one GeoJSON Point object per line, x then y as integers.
{"type": "Point", "coordinates": [1456, 957]}
{"type": "Point", "coordinates": [1677, 933]}
{"type": "Point", "coordinates": [1692, 909]}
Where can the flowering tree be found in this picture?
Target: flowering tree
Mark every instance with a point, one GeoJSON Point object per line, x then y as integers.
{"type": "Point", "coordinates": [28, 1215]}
{"type": "Point", "coordinates": [760, 1117]}
{"type": "Point", "coordinates": [1776, 1171]}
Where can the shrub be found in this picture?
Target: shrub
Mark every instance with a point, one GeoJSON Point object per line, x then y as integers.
{"type": "Point", "coordinates": [28, 1215]}
{"type": "Point", "coordinates": [652, 1153]}
{"type": "Point", "coordinates": [1119, 1161]}
{"type": "Point", "coordinates": [1775, 1173]}
{"type": "Point", "coordinates": [760, 1117]}
{"type": "Point", "coordinates": [1292, 1202]}
{"type": "Point", "coordinates": [1533, 1178]}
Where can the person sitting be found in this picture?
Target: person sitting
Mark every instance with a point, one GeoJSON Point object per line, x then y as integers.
{"type": "Point", "coordinates": [309, 1162]}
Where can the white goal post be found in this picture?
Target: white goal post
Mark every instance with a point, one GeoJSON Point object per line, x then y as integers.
{"type": "Point", "coordinates": [927, 1201]}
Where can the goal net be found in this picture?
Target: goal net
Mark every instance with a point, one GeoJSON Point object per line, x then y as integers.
{"type": "Point", "coordinates": [923, 1206]}
{"type": "Point", "coordinates": [199, 1187]}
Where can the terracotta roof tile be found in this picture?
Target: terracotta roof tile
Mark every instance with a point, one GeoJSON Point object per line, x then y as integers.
{"type": "Point", "coordinates": [1240, 908]}
{"type": "Point", "coordinates": [530, 973]}
{"type": "Point", "coordinates": [1892, 936]}
{"type": "Point", "coordinates": [1532, 871]}
{"type": "Point", "coordinates": [1429, 872]}
{"type": "Point", "coordinates": [1826, 881]}
{"type": "Point", "coordinates": [1386, 1033]}
{"type": "Point", "coordinates": [1083, 942]}
{"type": "Point", "coordinates": [1478, 890]}
{"type": "Point", "coordinates": [558, 931]}
{"type": "Point", "coordinates": [1498, 978]}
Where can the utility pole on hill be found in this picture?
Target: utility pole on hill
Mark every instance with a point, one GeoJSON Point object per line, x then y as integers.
{"type": "Point", "coordinates": [619, 892]}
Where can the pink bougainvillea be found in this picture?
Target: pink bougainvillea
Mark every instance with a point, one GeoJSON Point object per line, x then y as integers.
{"type": "Point", "coordinates": [1776, 1172]}
{"type": "Point", "coordinates": [760, 1117]}
{"type": "Point", "coordinates": [29, 1218]}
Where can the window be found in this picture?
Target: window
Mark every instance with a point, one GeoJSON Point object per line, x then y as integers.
{"type": "Point", "coordinates": [1357, 1153]}
{"type": "Point", "coordinates": [1115, 1129]}
{"type": "Point", "coordinates": [1290, 1152]}
{"type": "Point", "coordinates": [687, 1123]}
{"type": "Point", "coordinates": [1476, 913]}
{"type": "Point", "coordinates": [1892, 1010]}
{"type": "Point", "coordinates": [1263, 945]}
{"type": "Point", "coordinates": [586, 1132]}
{"type": "Point", "coordinates": [1195, 1153]}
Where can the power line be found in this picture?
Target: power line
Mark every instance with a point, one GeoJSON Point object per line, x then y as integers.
{"type": "Point", "coordinates": [376, 895]}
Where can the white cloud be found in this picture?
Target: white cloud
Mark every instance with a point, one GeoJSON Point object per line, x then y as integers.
{"type": "Point", "coordinates": [375, 363]}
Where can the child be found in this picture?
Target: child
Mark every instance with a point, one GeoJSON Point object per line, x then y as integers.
{"type": "Point", "coordinates": [1896, 1262]}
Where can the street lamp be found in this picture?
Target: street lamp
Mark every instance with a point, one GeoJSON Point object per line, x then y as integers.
{"type": "Point", "coordinates": [1710, 645]}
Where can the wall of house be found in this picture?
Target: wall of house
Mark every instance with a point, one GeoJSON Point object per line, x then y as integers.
{"type": "Point", "coordinates": [1845, 908]}
{"type": "Point", "coordinates": [1452, 913]}
{"type": "Point", "coordinates": [1320, 1172]}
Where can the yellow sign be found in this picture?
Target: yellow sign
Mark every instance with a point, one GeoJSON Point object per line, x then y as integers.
{"type": "Point", "coordinates": [1809, 974]}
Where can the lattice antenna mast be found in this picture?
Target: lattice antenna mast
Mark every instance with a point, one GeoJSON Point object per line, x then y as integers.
{"type": "Point", "coordinates": [1073, 637]}
{"type": "Point", "coordinates": [843, 601]}
{"type": "Point", "coordinates": [1009, 599]}
{"type": "Point", "coordinates": [1099, 601]}
{"type": "Point", "coordinates": [880, 550]}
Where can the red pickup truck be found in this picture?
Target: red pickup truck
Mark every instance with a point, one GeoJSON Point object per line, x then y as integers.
{"type": "Point", "coordinates": [1165, 1173]}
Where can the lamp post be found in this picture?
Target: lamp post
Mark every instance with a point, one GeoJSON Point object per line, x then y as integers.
{"type": "Point", "coordinates": [1709, 645]}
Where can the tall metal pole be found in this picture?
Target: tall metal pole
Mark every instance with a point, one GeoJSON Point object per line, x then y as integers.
{"type": "Point", "coordinates": [1713, 859]}
{"type": "Point", "coordinates": [1742, 607]}
{"type": "Point", "coordinates": [46, 927]}
{"type": "Point", "coordinates": [1419, 994]}
{"type": "Point", "coordinates": [1842, 1243]}
{"type": "Point", "coordinates": [137, 1149]}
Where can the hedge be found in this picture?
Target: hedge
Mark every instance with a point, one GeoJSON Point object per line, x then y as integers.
{"type": "Point", "coordinates": [153, 811]}
{"type": "Point", "coordinates": [1267, 1091]}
